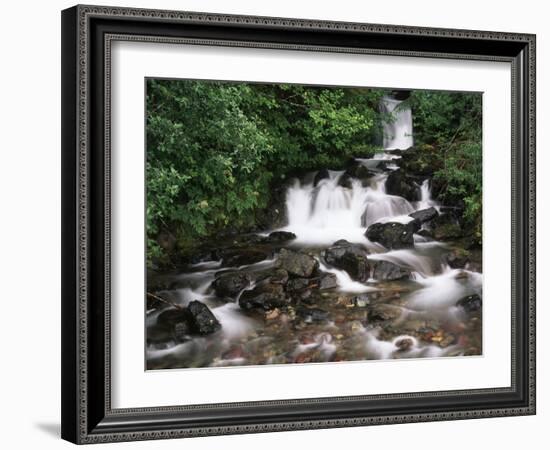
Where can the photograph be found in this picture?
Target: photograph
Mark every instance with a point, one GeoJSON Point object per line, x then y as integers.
{"type": "Point", "coordinates": [297, 224]}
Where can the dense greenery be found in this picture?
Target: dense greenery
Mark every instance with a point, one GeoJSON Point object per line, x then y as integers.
{"type": "Point", "coordinates": [215, 150]}
{"type": "Point", "coordinates": [452, 124]}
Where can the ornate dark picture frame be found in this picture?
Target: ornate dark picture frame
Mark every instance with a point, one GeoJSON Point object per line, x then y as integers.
{"type": "Point", "coordinates": [87, 34]}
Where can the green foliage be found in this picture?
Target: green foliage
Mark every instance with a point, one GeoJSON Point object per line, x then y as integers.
{"type": "Point", "coordinates": [452, 122]}
{"type": "Point", "coordinates": [214, 149]}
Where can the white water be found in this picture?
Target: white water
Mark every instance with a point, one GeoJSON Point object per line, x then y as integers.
{"type": "Point", "coordinates": [398, 132]}
{"type": "Point", "coordinates": [328, 212]}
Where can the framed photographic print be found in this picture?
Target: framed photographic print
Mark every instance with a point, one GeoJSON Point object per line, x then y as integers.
{"type": "Point", "coordinates": [277, 224]}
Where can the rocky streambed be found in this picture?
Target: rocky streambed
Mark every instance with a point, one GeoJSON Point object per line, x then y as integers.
{"type": "Point", "coordinates": [368, 266]}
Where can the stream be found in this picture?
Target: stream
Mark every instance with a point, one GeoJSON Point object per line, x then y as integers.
{"type": "Point", "coordinates": [318, 289]}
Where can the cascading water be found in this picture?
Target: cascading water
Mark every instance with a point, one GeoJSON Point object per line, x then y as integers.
{"type": "Point", "coordinates": [323, 214]}
{"type": "Point", "coordinates": [398, 133]}
{"type": "Point", "coordinates": [419, 312]}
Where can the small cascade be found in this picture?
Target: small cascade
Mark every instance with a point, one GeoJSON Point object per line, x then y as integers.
{"type": "Point", "coordinates": [398, 133]}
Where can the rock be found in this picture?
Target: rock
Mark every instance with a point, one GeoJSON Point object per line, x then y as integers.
{"type": "Point", "coordinates": [297, 264]}
{"type": "Point", "coordinates": [388, 271]}
{"type": "Point", "coordinates": [392, 235]}
{"type": "Point", "coordinates": [230, 284]}
{"type": "Point", "coordinates": [470, 303]}
{"type": "Point", "coordinates": [181, 332]}
{"type": "Point", "coordinates": [201, 319]}
{"type": "Point", "coordinates": [265, 296]}
{"type": "Point", "coordinates": [424, 215]}
{"type": "Point", "coordinates": [158, 335]}
{"type": "Point", "coordinates": [311, 315]}
{"type": "Point", "coordinates": [167, 319]}
{"type": "Point", "coordinates": [383, 312]}
{"type": "Point", "coordinates": [359, 171]}
{"type": "Point", "coordinates": [297, 284]}
{"type": "Point", "coordinates": [345, 181]}
{"type": "Point", "coordinates": [399, 184]}
{"type": "Point", "coordinates": [349, 257]}
{"type": "Point", "coordinates": [325, 281]}
{"type": "Point", "coordinates": [321, 175]}
{"type": "Point", "coordinates": [457, 259]}
{"type": "Point", "coordinates": [404, 344]}
{"type": "Point", "coordinates": [274, 276]}
{"type": "Point", "coordinates": [242, 257]}
{"type": "Point", "coordinates": [280, 236]}
{"type": "Point", "coordinates": [328, 281]}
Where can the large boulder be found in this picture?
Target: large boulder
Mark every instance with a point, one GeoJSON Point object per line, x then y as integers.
{"type": "Point", "coordinates": [296, 263]}
{"type": "Point", "coordinates": [349, 257]}
{"type": "Point", "coordinates": [401, 185]}
{"type": "Point", "coordinates": [393, 235]}
{"type": "Point", "coordinates": [231, 283]}
{"type": "Point", "coordinates": [424, 215]}
{"type": "Point", "coordinates": [264, 296]}
{"type": "Point", "coordinates": [388, 271]}
{"type": "Point", "coordinates": [200, 318]}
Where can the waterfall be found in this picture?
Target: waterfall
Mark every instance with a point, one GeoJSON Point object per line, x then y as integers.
{"type": "Point", "coordinates": [329, 211]}
{"type": "Point", "coordinates": [398, 132]}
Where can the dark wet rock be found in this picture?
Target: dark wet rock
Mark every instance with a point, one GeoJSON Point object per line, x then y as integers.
{"type": "Point", "coordinates": [349, 257]}
{"type": "Point", "coordinates": [420, 161]}
{"type": "Point", "coordinates": [399, 184]}
{"type": "Point", "coordinates": [425, 233]}
{"type": "Point", "coordinates": [230, 284]}
{"type": "Point", "coordinates": [359, 171]}
{"type": "Point", "coordinates": [200, 318]}
{"type": "Point", "coordinates": [388, 271]}
{"type": "Point", "coordinates": [280, 236]}
{"type": "Point", "coordinates": [297, 284]}
{"type": "Point", "coordinates": [243, 257]}
{"type": "Point", "coordinates": [393, 235]}
{"type": "Point", "coordinates": [181, 332]}
{"type": "Point", "coordinates": [274, 276]}
{"type": "Point", "coordinates": [311, 315]}
{"type": "Point", "coordinates": [424, 215]}
{"type": "Point", "coordinates": [471, 303]}
{"type": "Point", "coordinates": [321, 175]}
{"type": "Point", "coordinates": [265, 296]}
{"type": "Point", "coordinates": [170, 317]}
{"type": "Point", "coordinates": [345, 181]}
{"type": "Point", "coordinates": [383, 312]}
{"type": "Point", "coordinates": [296, 263]}
{"type": "Point", "coordinates": [275, 213]}
{"type": "Point", "coordinates": [458, 258]}
{"type": "Point", "coordinates": [159, 335]}
{"type": "Point", "coordinates": [404, 344]}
